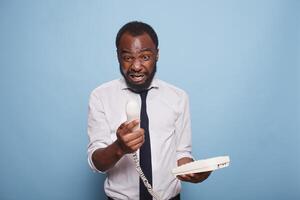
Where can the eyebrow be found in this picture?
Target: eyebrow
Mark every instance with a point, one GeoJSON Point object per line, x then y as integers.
{"type": "Point", "coordinates": [142, 50]}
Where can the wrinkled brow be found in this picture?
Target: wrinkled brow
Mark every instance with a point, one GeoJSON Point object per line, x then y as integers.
{"type": "Point", "coordinates": [142, 50]}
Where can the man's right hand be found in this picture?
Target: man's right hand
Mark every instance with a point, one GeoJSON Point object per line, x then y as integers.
{"type": "Point", "coordinates": [129, 137]}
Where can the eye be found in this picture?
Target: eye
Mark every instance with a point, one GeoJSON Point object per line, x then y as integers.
{"type": "Point", "coordinates": [127, 58]}
{"type": "Point", "coordinates": [145, 57]}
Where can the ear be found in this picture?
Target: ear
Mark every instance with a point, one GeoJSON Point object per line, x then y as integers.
{"type": "Point", "coordinates": [118, 55]}
{"type": "Point", "coordinates": [157, 54]}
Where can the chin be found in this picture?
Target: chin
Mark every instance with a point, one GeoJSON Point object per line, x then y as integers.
{"type": "Point", "coordinates": [138, 87]}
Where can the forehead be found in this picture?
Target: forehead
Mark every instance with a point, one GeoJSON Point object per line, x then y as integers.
{"type": "Point", "coordinates": [136, 43]}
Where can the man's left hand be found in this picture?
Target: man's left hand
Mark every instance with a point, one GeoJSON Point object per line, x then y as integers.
{"type": "Point", "coordinates": [193, 177]}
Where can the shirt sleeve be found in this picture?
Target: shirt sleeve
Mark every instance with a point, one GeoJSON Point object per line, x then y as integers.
{"type": "Point", "coordinates": [98, 128]}
{"type": "Point", "coordinates": [183, 129]}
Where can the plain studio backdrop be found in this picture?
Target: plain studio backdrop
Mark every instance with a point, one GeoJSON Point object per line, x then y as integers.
{"type": "Point", "coordinates": [238, 61]}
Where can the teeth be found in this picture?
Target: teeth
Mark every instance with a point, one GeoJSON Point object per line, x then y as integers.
{"type": "Point", "coordinates": [137, 75]}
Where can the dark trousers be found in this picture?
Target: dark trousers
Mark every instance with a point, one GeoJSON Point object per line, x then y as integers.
{"type": "Point", "coordinates": [177, 197]}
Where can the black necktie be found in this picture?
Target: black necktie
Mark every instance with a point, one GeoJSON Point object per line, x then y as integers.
{"type": "Point", "coordinates": [145, 150]}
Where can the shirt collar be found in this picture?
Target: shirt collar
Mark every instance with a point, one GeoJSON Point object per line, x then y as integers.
{"type": "Point", "coordinates": [154, 84]}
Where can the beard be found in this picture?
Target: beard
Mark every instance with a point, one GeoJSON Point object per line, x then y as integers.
{"type": "Point", "coordinates": [138, 87]}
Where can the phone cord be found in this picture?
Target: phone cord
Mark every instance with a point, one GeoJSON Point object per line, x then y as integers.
{"type": "Point", "coordinates": [143, 177]}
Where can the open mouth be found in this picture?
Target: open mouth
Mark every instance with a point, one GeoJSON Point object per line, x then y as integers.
{"type": "Point", "coordinates": [137, 77]}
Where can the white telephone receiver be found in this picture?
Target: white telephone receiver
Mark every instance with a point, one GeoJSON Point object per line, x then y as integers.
{"type": "Point", "coordinates": [132, 110]}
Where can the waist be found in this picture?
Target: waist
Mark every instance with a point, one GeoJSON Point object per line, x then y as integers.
{"type": "Point", "coordinates": [177, 197]}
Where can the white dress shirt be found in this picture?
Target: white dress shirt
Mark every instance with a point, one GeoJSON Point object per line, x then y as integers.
{"type": "Point", "coordinates": [169, 129]}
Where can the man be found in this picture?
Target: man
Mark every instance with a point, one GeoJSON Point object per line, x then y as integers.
{"type": "Point", "coordinates": [163, 140]}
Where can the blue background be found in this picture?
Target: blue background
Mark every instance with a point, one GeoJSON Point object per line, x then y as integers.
{"type": "Point", "coordinates": [238, 60]}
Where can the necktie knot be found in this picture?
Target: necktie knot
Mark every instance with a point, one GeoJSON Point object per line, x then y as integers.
{"type": "Point", "coordinates": [143, 95]}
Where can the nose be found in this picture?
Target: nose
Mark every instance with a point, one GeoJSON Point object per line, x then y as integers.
{"type": "Point", "coordinates": [136, 65]}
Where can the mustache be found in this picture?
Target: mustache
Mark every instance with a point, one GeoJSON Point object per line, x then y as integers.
{"type": "Point", "coordinates": [135, 73]}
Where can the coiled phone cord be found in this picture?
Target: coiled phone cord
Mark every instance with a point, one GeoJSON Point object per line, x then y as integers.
{"type": "Point", "coordinates": [143, 177]}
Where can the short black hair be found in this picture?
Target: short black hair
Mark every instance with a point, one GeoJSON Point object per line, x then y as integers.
{"type": "Point", "coordinates": [136, 28]}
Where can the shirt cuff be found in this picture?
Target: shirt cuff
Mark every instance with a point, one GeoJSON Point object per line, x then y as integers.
{"type": "Point", "coordinates": [91, 164]}
{"type": "Point", "coordinates": [184, 154]}
{"type": "Point", "coordinates": [91, 149]}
